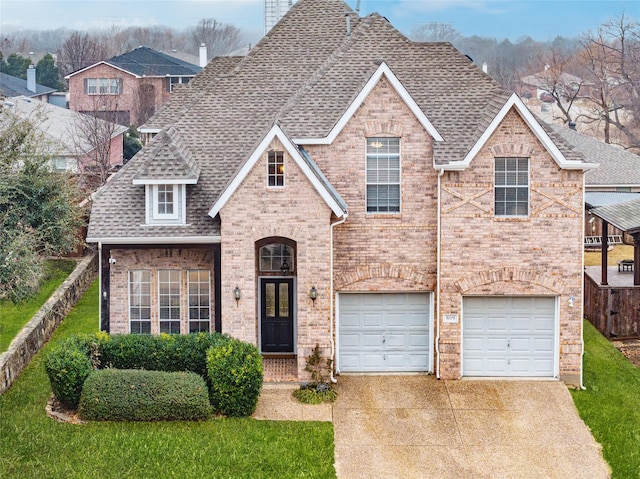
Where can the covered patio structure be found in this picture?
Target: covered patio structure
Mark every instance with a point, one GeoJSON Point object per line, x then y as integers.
{"type": "Point", "coordinates": [612, 293]}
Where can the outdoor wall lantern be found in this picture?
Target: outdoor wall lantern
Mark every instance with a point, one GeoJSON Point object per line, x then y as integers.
{"type": "Point", "coordinates": [313, 294]}
{"type": "Point", "coordinates": [284, 269]}
{"type": "Point", "coordinates": [571, 300]}
{"type": "Point", "coordinates": [236, 294]}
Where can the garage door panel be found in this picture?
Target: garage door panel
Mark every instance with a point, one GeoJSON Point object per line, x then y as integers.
{"type": "Point", "coordinates": [509, 336]}
{"type": "Point", "coordinates": [392, 330]}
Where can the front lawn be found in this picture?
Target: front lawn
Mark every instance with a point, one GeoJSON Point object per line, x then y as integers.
{"type": "Point", "coordinates": [13, 316]}
{"type": "Point", "coordinates": [610, 406]}
{"type": "Point", "coordinates": [32, 445]}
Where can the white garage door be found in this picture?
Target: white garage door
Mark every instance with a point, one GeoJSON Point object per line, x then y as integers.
{"type": "Point", "coordinates": [509, 336]}
{"type": "Point", "coordinates": [384, 332]}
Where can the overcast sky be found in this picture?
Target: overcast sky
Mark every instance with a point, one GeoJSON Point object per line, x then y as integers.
{"type": "Point", "coordinates": [513, 19]}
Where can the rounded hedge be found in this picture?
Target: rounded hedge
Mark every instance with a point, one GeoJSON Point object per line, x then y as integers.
{"type": "Point", "coordinates": [137, 395]}
{"type": "Point", "coordinates": [68, 365]}
{"type": "Point", "coordinates": [235, 375]}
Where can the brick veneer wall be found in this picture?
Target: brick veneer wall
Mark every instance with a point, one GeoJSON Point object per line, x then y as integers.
{"type": "Point", "coordinates": [296, 212]}
{"type": "Point", "coordinates": [383, 252]}
{"type": "Point", "coordinates": [537, 255]}
{"type": "Point", "coordinates": [182, 259]}
{"type": "Point", "coordinates": [40, 328]}
{"type": "Point", "coordinates": [128, 100]}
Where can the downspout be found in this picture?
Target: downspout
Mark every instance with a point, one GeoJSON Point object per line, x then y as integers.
{"type": "Point", "coordinates": [331, 299]}
{"type": "Point", "coordinates": [438, 247]}
{"type": "Point", "coordinates": [582, 387]}
{"type": "Point", "coordinates": [100, 285]}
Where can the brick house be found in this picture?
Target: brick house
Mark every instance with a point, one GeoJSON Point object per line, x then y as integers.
{"type": "Point", "coordinates": [382, 198]}
{"type": "Point", "coordinates": [128, 88]}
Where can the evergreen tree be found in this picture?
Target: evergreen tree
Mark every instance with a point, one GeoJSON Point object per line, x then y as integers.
{"type": "Point", "coordinates": [47, 73]}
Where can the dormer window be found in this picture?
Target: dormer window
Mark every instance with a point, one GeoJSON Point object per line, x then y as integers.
{"type": "Point", "coordinates": [275, 169]}
{"type": "Point", "coordinates": [166, 204]}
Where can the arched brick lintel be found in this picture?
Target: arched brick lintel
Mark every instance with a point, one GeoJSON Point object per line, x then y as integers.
{"type": "Point", "coordinates": [387, 271]}
{"type": "Point", "coordinates": [477, 280]}
{"type": "Point", "coordinates": [512, 149]}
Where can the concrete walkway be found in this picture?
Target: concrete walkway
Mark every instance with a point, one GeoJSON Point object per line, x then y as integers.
{"type": "Point", "coordinates": [419, 427]}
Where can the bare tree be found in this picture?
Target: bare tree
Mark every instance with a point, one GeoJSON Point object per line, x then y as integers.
{"type": "Point", "coordinates": [78, 51]}
{"type": "Point", "coordinates": [556, 79]}
{"type": "Point", "coordinates": [145, 103]}
{"type": "Point", "coordinates": [611, 57]}
{"type": "Point", "coordinates": [92, 133]}
{"type": "Point", "coordinates": [219, 38]}
{"type": "Point", "coordinates": [434, 32]}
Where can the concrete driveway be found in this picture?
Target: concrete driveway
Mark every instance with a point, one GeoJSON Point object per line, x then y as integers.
{"type": "Point", "coordinates": [419, 427]}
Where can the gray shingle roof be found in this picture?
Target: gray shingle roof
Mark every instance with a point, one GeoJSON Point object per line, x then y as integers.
{"type": "Point", "coordinates": [595, 199]}
{"type": "Point", "coordinates": [617, 167]}
{"type": "Point", "coordinates": [303, 74]}
{"type": "Point", "coordinates": [169, 157]}
{"type": "Point", "coordinates": [624, 216]}
{"type": "Point", "coordinates": [148, 62]}
{"type": "Point", "coordinates": [11, 86]}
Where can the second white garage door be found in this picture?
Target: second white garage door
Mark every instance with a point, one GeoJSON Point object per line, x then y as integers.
{"type": "Point", "coordinates": [509, 336]}
{"type": "Point", "coordinates": [384, 332]}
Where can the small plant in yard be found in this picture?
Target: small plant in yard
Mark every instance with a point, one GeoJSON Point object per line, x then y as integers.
{"type": "Point", "coordinates": [319, 389]}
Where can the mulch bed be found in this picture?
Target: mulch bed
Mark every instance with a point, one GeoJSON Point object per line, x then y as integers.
{"type": "Point", "coordinates": [630, 348]}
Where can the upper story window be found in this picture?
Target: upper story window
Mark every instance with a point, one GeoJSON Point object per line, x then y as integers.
{"type": "Point", "coordinates": [171, 82]}
{"type": "Point", "coordinates": [275, 168]}
{"type": "Point", "coordinates": [383, 175]}
{"type": "Point", "coordinates": [512, 186]}
{"type": "Point", "coordinates": [103, 86]}
{"type": "Point", "coordinates": [166, 204]}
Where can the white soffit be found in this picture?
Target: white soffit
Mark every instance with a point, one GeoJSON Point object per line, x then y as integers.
{"type": "Point", "coordinates": [536, 128]}
{"type": "Point", "coordinates": [383, 70]}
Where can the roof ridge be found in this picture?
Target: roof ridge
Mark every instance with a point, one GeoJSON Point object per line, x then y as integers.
{"type": "Point", "coordinates": [356, 34]}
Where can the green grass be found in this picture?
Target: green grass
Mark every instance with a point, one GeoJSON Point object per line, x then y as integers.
{"type": "Point", "coordinates": [32, 445]}
{"type": "Point", "coordinates": [13, 316]}
{"type": "Point", "coordinates": [610, 406]}
{"type": "Point", "coordinates": [594, 258]}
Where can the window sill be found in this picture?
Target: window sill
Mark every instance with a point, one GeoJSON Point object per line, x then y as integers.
{"type": "Point", "coordinates": [511, 219]}
{"type": "Point", "coordinates": [383, 216]}
{"type": "Point", "coordinates": [279, 355]}
{"type": "Point", "coordinates": [151, 225]}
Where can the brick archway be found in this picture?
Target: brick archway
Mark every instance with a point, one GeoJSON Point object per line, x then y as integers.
{"type": "Point", "coordinates": [388, 271]}
{"type": "Point", "coordinates": [510, 274]}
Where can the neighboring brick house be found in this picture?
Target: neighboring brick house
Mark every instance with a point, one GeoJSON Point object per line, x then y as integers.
{"type": "Point", "coordinates": [75, 142]}
{"type": "Point", "coordinates": [344, 186]}
{"type": "Point", "coordinates": [128, 88]}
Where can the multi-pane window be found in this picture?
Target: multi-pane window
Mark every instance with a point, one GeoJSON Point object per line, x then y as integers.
{"type": "Point", "coordinates": [383, 175]}
{"type": "Point", "coordinates": [169, 301]}
{"type": "Point", "coordinates": [140, 301]}
{"type": "Point", "coordinates": [103, 86]}
{"type": "Point", "coordinates": [274, 256]}
{"type": "Point", "coordinates": [165, 200]}
{"type": "Point", "coordinates": [275, 168]}
{"type": "Point", "coordinates": [511, 186]}
{"type": "Point", "coordinates": [199, 301]}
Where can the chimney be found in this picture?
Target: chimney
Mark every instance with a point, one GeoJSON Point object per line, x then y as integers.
{"type": "Point", "coordinates": [31, 78]}
{"type": "Point", "coordinates": [203, 55]}
{"type": "Point", "coordinates": [485, 67]}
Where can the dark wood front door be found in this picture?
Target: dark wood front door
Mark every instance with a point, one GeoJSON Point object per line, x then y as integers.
{"type": "Point", "coordinates": [276, 315]}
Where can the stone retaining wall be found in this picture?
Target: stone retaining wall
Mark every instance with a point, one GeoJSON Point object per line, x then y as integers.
{"type": "Point", "coordinates": [38, 331]}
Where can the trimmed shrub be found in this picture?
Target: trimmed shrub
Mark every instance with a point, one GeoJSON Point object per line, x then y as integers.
{"type": "Point", "coordinates": [68, 365]}
{"type": "Point", "coordinates": [235, 374]}
{"type": "Point", "coordinates": [136, 395]}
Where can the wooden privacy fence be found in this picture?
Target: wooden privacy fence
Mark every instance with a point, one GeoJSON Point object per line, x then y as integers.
{"type": "Point", "coordinates": [613, 310]}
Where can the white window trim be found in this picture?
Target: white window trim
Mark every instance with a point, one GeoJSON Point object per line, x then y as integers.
{"type": "Point", "coordinates": [150, 320]}
{"type": "Point", "coordinates": [189, 285]}
{"type": "Point", "coordinates": [284, 171]}
{"type": "Point", "coordinates": [495, 186]}
{"type": "Point", "coordinates": [179, 215]}
{"type": "Point", "coordinates": [366, 184]}
{"type": "Point", "coordinates": [180, 309]}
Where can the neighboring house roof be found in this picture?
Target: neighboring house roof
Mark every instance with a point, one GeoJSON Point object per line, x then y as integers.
{"type": "Point", "coordinates": [11, 86]}
{"type": "Point", "coordinates": [58, 125]}
{"type": "Point", "coordinates": [144, 61]}
{"type": "Point", "coordinates": [618, 167]}
{"type": "Point", "coordinates": [306, 76]}
{"type": "Point", "coordinates": [595, 199]}
{"type": "Point", "coordinates": [624, 216]}
{"type": "Point", "coordinates": [543, 79]}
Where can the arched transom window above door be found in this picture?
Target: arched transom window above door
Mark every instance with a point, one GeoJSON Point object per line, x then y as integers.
{"type": "Point", "coordinates": [276, 258]}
